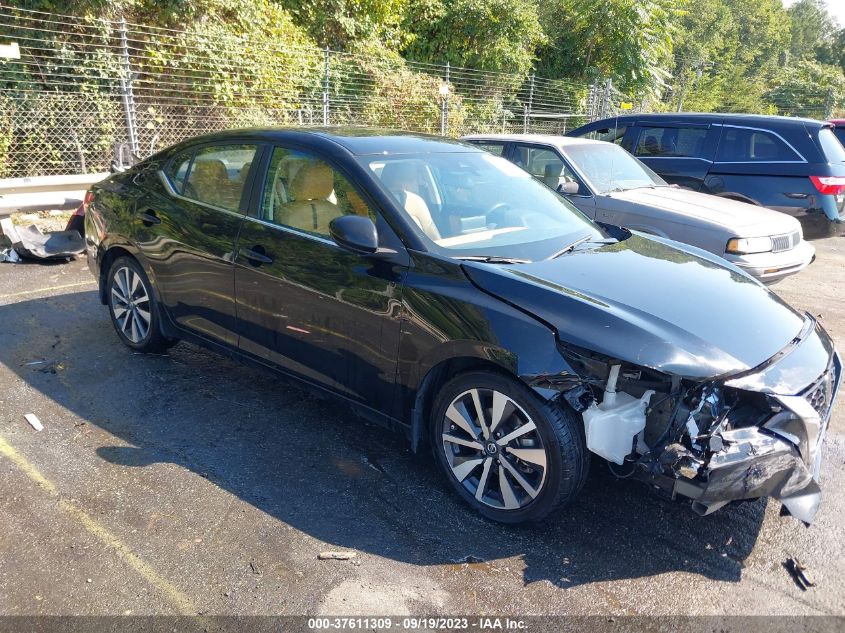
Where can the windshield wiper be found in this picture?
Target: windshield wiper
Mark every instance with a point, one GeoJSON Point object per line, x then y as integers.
{"type": "Point", "coordinates": [566, 249]}
{"type": "Point", "coordinates": [583, 240]}
{"type": "Point", "coordinates": [494, 259]}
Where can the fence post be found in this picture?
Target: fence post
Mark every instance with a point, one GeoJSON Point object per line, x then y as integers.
{"type": "Point", "coordinates": [526, 115]}
{"type": "Point", "coordinates": [326, 89]}
{"type": "Point", "coordinates": [444, 103]}
{"type": "Point", "coordinates": [605, 106]}
{"type": "Point", "coordinates": [126, 90]}
{"type": "Point", "coordinates": [828, 104]}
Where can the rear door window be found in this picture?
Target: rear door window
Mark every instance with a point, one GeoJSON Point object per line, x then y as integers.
{"type": "Point", "coordinates": [832, 148]}
{"type": "Point", "coordinates": [744, 145]}
{"type": "Point", "coordinates": [217, 175]}
{"type": "Point", "coordinates": [672, 142]}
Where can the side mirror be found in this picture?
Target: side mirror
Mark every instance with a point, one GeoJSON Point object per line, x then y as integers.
{"type": "Point", "coordinates": [570, 188]}
{"type": "Point", "coordinates": [355, 232]}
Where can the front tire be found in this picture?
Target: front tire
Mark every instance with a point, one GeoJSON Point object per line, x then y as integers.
{"type": "Point", "coordinates": [508, 454]}
{"type": "Point", "coordinates": [133, 307]}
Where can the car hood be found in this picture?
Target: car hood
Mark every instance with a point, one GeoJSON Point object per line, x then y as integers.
{"type": "Point", "coordinates": [753, 220]}
{"type": "Point", "coordinates": [676, 310]}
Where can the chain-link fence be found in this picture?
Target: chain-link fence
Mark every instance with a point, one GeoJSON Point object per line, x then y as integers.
{"type": "Point", "coordinates": [81, 86]}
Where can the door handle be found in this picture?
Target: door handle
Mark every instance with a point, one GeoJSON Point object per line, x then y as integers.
{"type": "Point", "coordinates": [149, 217]}
{"type": "Point", "coordinates": [256, 255]}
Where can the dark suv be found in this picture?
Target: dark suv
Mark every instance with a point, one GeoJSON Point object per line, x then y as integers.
{"type": "Point", "coordinates": [792, 165]}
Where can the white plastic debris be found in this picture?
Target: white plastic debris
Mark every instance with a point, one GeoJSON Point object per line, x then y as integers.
{"type": "Point", "coordinates": [34, 422]}
{"type": "Point", "coordinates": [336, 555]}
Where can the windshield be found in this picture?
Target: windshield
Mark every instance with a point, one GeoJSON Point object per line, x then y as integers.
{"type": "Point", "coordinates": [833, 150]}
{"type": "Point", "coordinates": [611, 168]}
{"type": "Point", "coordinates": [477, 204]}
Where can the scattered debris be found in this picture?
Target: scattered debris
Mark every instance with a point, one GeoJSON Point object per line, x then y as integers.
{"type": "Point", "coordinates": [254, 568]}
{"type": "Point", "coordinates": [469, 559]}
{"type": "Point", "coordinates": [336, 555]}
{"type": "Point", "coordinates": [35, 362]}
{"type": "Point", "coordinates": [799, 573]}
{"type": "Point", "coordinates": [31, 242]}
{"type": "Point", "coordinates": [8, 254]}
{"type": "Point", "coordinates": [34, 422]}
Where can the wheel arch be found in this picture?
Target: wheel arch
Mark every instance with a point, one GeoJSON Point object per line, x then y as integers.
{"type": "Point", "coordinates": [536, 368]}
{"type": "Point", "coordinates": [106, 261]}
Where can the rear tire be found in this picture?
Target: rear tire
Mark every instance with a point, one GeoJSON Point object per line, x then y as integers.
{"type": "Point", "coordinates": [133, 307]}
{"type": "Point", "coordinates": [519, 460]}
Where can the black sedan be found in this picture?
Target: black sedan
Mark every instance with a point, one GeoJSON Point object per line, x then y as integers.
{"type": "Point", "coordinates": [442, 291]}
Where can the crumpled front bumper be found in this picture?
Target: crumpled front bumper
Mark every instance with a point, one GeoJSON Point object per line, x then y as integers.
{"type": "Point", "coordinates": [781, 458]}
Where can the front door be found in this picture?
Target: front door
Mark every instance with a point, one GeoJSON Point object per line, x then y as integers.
{"type": "Point", "coordinates": [550, 168]}
{"type": "Point", "coordinates": [326, 314]}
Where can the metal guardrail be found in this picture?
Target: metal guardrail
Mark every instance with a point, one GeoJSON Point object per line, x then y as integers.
{"type": "Point", "coordinates": [44, 193]}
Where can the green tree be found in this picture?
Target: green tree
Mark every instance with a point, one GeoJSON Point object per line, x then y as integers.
{"type": "Point", "coordinates": [629, 40]}
{"type": "Point", "coordinates": [346, 24]}
{"type": "Point", "coordinates": [813, 30]}
{"type": "Point", "coordinates": [498, 35]}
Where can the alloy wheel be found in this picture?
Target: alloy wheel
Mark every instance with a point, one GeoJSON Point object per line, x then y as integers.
{"type": "Point", "coordinates": [494, 449]}
{"type": "Point", "coordinates": [130, 302]}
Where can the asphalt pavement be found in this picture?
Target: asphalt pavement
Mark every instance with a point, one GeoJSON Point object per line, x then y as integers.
{"type": "Point", "coordinates": [188, 483]}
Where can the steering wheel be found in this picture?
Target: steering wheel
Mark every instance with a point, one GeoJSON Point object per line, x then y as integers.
{"type": "Point", "coordinates": [497, 209]}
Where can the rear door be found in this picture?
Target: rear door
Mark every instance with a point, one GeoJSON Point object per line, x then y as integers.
{"type": "Point", "coordinates": [325, 314]}
{"type": "Point", "coordinates": [681, 153]}
{"type": "Point", "coordinates": [762, 167]}
{"type": "Point", "coordinates": [187, 227]}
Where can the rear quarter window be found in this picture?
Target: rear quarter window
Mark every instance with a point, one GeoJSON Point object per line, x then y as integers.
{"type": "Point", "coordinates": [831, 146]}
{"type": "Point", "coordinates": [745, 145]}
{"type": "Point", "coordinates": [494, 148]}
{"type": "Point", "coordinates": [608, 134]}
{"type": "Point", "coordinates": [177, 170]}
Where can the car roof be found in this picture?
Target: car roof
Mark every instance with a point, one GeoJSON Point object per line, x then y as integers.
{"type": "Point", "coordinates": [545, 139]}
{"type": "Point", "coordinates": [356, 140]}
{"type": "Point", "coordinates": [731, 117]}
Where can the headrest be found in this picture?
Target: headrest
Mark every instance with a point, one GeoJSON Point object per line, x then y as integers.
{"type": "Point", "coordinates": [400, 176]}
{"type": "Point", "coordinates": [313, 181]}
{"type": "Point", "coordinates": [552, 170]}
{"type": "Point", "coordinates": [209, 169]}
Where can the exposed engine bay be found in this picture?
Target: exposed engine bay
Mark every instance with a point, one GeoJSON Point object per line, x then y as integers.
{"type": "Point", "coordinates": [709, 441]}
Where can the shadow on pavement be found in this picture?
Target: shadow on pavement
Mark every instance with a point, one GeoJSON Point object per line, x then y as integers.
{"type": "Point", "coordinates": [314, 466]}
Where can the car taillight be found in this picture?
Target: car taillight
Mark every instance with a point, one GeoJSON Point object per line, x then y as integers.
{"type": "Point", "coordinates": [88, 199]}
{"type": "Point", "coordinates": [831, 185]}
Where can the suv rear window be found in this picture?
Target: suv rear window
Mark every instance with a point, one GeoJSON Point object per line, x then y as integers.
{"type": "Point", "coordinates": [831, 146]}
{"type": "Point", "coordinates": [672, 141]}
{"type": "Point", "coordinates": [745, 145]}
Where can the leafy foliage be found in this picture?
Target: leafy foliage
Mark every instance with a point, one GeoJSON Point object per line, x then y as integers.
{"type": "Point", "coordinates": [499, 35]}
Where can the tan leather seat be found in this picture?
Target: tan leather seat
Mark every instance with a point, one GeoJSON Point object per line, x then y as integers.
{"type": "Point", "coordinates": [551, 174]}
{"type": "Point", "coordinates": [309, 209]}
{"type": "Point", "coordinates": [209, 182]}
{"type": "Point", "coordinates": [401, 180]}
{"type": "Point", "coordinates": [357, 204]}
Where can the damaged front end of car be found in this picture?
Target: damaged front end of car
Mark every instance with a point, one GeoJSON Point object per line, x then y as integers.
{"type": "Point", "coordinates": [713, 441]}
